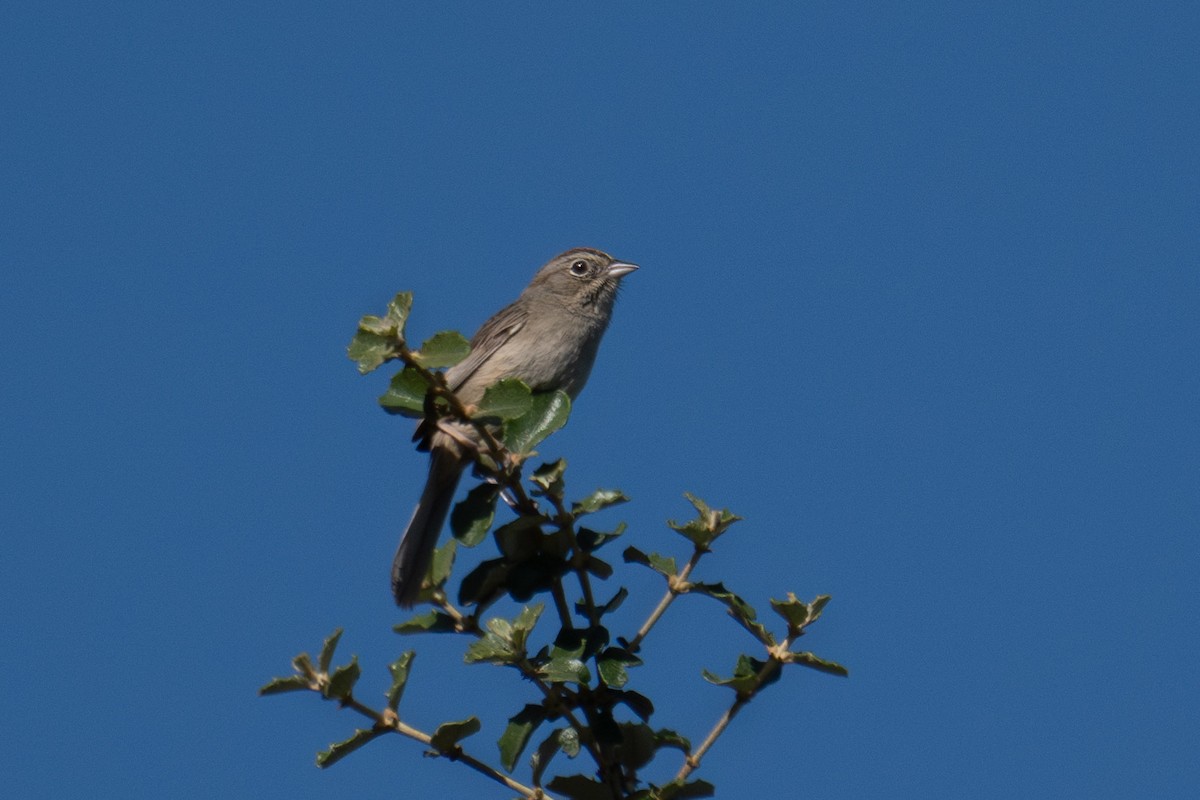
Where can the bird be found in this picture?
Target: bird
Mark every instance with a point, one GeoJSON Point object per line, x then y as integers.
{"type": "Point", "coordinates": [548, 338]}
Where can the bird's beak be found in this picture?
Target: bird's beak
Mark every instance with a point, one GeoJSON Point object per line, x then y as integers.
{"type": "Point", "coordinates": [619, 268]}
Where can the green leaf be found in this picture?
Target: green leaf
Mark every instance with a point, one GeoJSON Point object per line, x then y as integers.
{"type": "Point", "coordinates": [380, 339]}
{"type": "Point", "coordinates": [799, 614]}
{"type": "Point", "coordinates": [292, 683]}
{"type": "Point", "coordinates": [518, 540]}
{"type": "Point", "coordinates": [443, 349]}
{"type": "Point", "coordinates": [637, 745]}
{"type": "Point", "coordinates": [669, 738]}
{"type": "Point", "coordinates": [336, 752]}
{"type": "Point", "coordinates": [663, 565]}
{"type": "Point", "coordinates": [327, 650]}
{"type": "Point", "coordinates": [449, 734]}
{"type": "Point", "coordinates": [710, 524]}
{"type": "Point", "coordinates": [428, 622]}
{"type": "Point", "coordinates": [472, 518]}
{"type": "Point", "coordinates": [598, 500]}
{"type": "Point", "coordinates": [442, 563]}
{"type": "Point", "coordinates": [398, 310]}
{"type": "Point", "coordinates": [738, 608]}
{"type": "Point", "coordinates": [591, 540]}
{"type": "Point", "coordinates": [547, 414]}
{"type": "Point", "coordinates": [516, 736]}
{"type": "Point", "coordinates": [399, 669]}
{"type": "Point", "coordinates": [577, 787]}
{"type": "Point", "coordinates": [406, 393]}
{"type": "Point", "coordinates": [508, 399]}
{"type": "Point", "coordinates": [524, 623]}
{"type": "Point", "coordinates": [483, 581]}
{"type": "Point", "coordinates": [745, 679]}
{"type": "Point", "coordinates": [564, 739]}
{"type": "Point", "coordinates": [565, 669]}
{"type": "Point", "coordinates": [549, 478]}
{"type": "Point", "coordinates": [341, 682]}
{"type": "Point", "coordinates": [492, 648]}
{"type": "Point", "coordinates": [820, 664]}
{"type": "Point", "coordinates": [612, 663]}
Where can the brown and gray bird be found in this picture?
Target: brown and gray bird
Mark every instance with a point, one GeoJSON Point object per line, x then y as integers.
{"type": "Point", "coordinates": [548, 338]}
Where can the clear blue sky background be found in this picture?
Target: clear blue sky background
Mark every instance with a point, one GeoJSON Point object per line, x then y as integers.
{"type": "Point", "coordinates": [919, 299]}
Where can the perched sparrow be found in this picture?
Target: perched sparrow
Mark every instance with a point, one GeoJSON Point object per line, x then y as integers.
{"type": "Point", "coordinates": [548, 338]}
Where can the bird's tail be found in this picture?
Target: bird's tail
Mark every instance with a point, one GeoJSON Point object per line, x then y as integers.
{"type": "Point", "coordinates": [420, 537]}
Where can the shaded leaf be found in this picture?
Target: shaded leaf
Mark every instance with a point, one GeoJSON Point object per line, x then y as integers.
{"type": "Point", "coordinates": [516, 736]}
{"type": "Point", "coordinates": [399, 669]}
{"type": "Point", "coordinates": [472, 518]}
{"type": "Point", "coordinates": [336, 752]}
{"type": "Point", "coordinates": [449, 734]}
{"type": "Point", "coordinates": [341, 682]}
{"type": "Point", "coordinates": [406, 393]}
{"type": "Point", "coordinates": [327, 649]}
{"type": "Point", "coordinates": [814, 662]}
{"type": "Point", "coordinates": [669, 738]}
{"type": "Point", "coordinates": [549, 478]}
{"type": "Point", "coordinates": [637, 745]}
{"type": "Point", "coordinates": [637, 702]}
{"type": "Point", "coordinates": [598, 567]}
{"type": "Point", "coordinates": [745, 678]}
{"type": "Point", "coordinates": [548, 412]}
{"type": "Point", "coordinates": [738, 608]}
{"type": "Point", "coordinates": [443, 349]}
{"type": "Point", "coordinates": [291, 683]}
{"type": "Point", "coordinates": [508, 399]}
{"type": "Point", "coordinates": [598, 500]}
{"type": "Point", "coordinates": [591, 540]}
{"type": "Point", "coordinates": [564, 739]}
{"type": "Point", "coordinates": [565, 669]}
{"type": "Point", "coordinates": [577, 787]}
{"type": "Point", "coordinates": [685, 791]}
{"type": "Point", "coordinates": [482, 582]}
{"type": "Point", "coordinates": [518, 539]}
{"type": "Point", "coordinates": [428, 622]}
{"type": "Point", "coordinates": [663, 565]}
{"type": "Point", "coordinates": [612, 665]}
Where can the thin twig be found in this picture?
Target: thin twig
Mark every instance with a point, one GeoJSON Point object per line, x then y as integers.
{"type": "Point", "coordinates": [674, 589]}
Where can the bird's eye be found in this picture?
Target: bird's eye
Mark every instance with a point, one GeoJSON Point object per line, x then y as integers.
{"type": "Point", "coordinates": [579, 268]}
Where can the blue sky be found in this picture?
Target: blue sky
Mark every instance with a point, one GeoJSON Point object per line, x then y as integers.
{"type": "Point", "coordinates": [919, 300]}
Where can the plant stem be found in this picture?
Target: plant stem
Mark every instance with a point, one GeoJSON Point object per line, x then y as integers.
{"type": "Point", "coordinates": [673, 591]}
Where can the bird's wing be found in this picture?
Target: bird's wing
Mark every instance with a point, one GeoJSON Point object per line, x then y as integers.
{"type": "Point", "coordinates": [487, 340]}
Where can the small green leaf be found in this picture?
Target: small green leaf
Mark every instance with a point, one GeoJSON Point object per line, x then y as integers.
{"type": "Point", "coordinates": [669, 738]}
{"type": "Point", "coordinates": [398, 310]}
{"type": "Point", "coordinates": [303, 665]}
{"type": "Point", "coordinates": [406, 393]}
{"type": "Point", "coordinates": [710, 524]}
{"type": "Point", "coordinates": [598, 500]}
{"type": "Point", "coordinates": [591, 540]}
{"type": "Point", "coordinates": [516, 736]}
{"type": "Point", "coordinates": [443, 349]}
{"type": "Point", "coordinates": [548, 413]}
{"type": "Point", "coordinates": [738, 608]}
{"type": "Point", "coordinates": [565, 669]}
{"type": "Point", "coordinates": [564, 739]}
{"type": "Point", "coordinates": [820, 664]}
{"type": "Point", "coordinates": [399, 669]}
{"type": "Point", "coordinates": [341, 682]}
{"type": "Point", "coordinates": [745, 679]}
{"type": "Point", "coordinates": [336, 752]}
{"type": "Point", "coordinates": [472, 518]}
{"type": "Point", "coordinates": [549, 478]}
{"type": "Point", "coordinates": [799, 614]}
{"type": "Point", "coordinates": [442, 563]}
{"type": "Point", "coordinates": [637, 745]}
{"type": "Point", "coordinates": [449, 734]}
{"type": "Point", "coordinates": [518, 540]}
{"type": "Point", "coordinates": [292, 683]}
{"type": "Point", "coordinates": [483, 581]}
{"type": "Point", "coordinates": [612, 663]}
{"type": "Point", "coordinates": [429, 622]}
{"type": "Point", "coordinates": [663, 565]}
{"type": "Point", "coordinates": [508, 399]}
{"type": "Point", "coordinates": [327, 650]}
{"type": "Point", "coordinates": [524, 623]}
{"type": "Point", "coordinates": [577, 787]}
